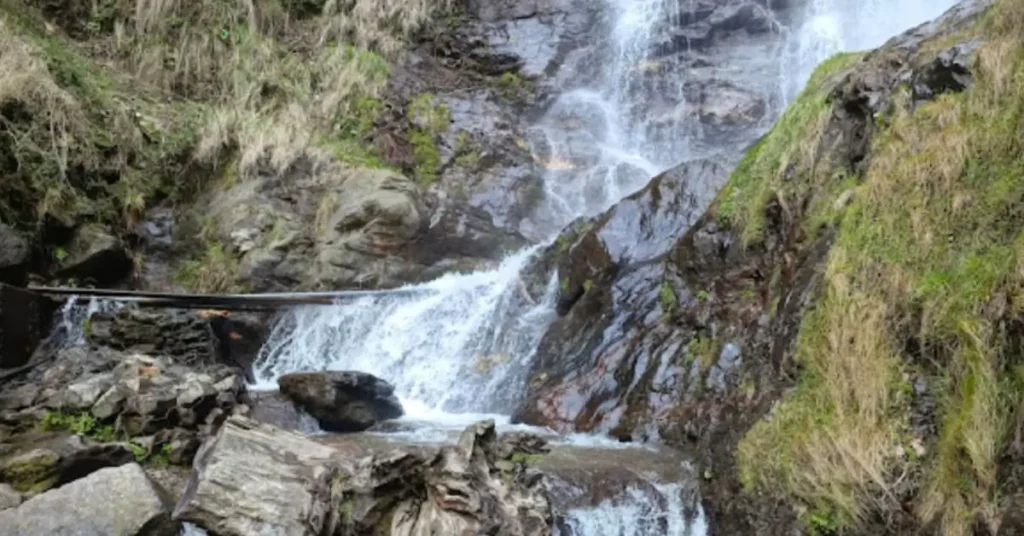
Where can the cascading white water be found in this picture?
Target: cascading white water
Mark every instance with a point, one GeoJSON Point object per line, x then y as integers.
{"type": "Point", "coordinates": [832, 26]}
{"type": "Point", "coordinates": [465, 345]}
{"type": "Point", "coordinates": [72, 320]}
{"type": "Point", "coordinates": [635, 514]}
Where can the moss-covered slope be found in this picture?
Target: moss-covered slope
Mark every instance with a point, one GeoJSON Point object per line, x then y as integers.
{"type": "Point", "coordinates": [911, 377]}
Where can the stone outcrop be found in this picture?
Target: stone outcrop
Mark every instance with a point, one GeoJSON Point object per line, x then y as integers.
{"type": "Point", "coordinates": [342, 401]}
{"type": "Point", "coordinates": [95, 255]}
{"type": "Point", "coordinates": [254, 477]}
{"type": "Point", "coordinates": [119, 500]}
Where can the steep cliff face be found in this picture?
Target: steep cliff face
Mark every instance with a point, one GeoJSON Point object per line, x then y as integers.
{"type": "Point", "coordinates": [836, 337]}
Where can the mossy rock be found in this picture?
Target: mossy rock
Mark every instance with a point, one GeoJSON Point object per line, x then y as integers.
{"type": "Point", "coordinates": [33, 472]}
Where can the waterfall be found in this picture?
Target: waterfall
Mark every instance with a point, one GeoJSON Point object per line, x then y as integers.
{"type": "Point", "coordinates": [831, 26]}
{"type": "Point", "coordinates": [463, 349]}
{"type": "Point", "coordinates": [466, 347]}
{"type": "Point", "coordinates": [636, 513]}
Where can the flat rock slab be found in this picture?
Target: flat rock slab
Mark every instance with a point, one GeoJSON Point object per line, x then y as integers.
{"type": "Point", "coordinates": [119, 500]}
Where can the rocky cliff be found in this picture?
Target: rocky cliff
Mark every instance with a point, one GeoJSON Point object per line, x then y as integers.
{"type": "Point", "coordinates": [823, 312]}
{"type": "Point", "coordinates": [835, 337]}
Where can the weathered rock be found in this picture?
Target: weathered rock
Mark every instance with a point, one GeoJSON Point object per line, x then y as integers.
{"type": "Point", "coordinates": [9, 497]}
{"type": "Point", "coordinates": [256, 479]}
{"type": "Point", "coordinates": [95, 255]}
{"type": "Point", "coordinates": [19, 397]}
{"type": "Point", "coordinates": [14, 257]}
{"type": "Point", "coordinates": [118, 500]}
{"type": "Point", "coordinates": [459, 489]}
{"type": "Point", "coordinates": [276, 409]}
{"type": "Point", "coordinates": [52, 460]}
{"type": "Point", "coordinates": [949, 72]}
{"type": "Point", "coordinates": [342, 401]}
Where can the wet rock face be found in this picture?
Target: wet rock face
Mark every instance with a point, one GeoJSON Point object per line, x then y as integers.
{"type": "Point", "coordinates": [342, 401]}
{"type": "Point", "coordinates": [591, 368]}
{"type": "Point", "coordinates": [190, 338]}
{"type": "Point", "coordinates": [331, 227]}
{"type": "Point", "coordinates": [14, 256]}
{"type": "Point", "coordinates": [470, 488]}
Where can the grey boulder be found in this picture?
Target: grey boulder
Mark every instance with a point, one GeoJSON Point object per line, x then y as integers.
{"type": "Point", "coordinates": [120, 500]}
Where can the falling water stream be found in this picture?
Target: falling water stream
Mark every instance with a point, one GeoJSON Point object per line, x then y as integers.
{"type": "Point", "coordinates": [462, 352]}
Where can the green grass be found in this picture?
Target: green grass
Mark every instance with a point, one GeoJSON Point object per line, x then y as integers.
{"type": "Point", "coordinates": [929, 248]}
{"type": "Point", "coordinates": [783, 163]}
{"type": "Point", "coordinates": [429, 120]}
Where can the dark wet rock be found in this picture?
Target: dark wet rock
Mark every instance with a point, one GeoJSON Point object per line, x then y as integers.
{"type": "Point", "coordinates": [949, 72]}
{"type": "Point", "coordinates": [276, 409]}
{"type": "Point", "coordinates": [202, 339]}
{"type": "Point", "coordinates": [119, 500]}
{"type": "Point", "coordinates": [25, 319]}
{"type": "Point", "coordinates": [95, 255]}
{"type": "Point", "coordinates": [610, 286]}
{"type": "Point", "coordinates": [342, 401]}
{"type": "Point", "coordinates": [14, 256]}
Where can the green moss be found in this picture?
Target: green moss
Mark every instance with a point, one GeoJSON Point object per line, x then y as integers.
{"type": "Point", "coordinates": [83, 424]}
{"type": "Point", "coordinates": [33, 472]}
{"type": "Point", "coordinates": [587, 285]}
{"type": "Point", "coordinates": [704, 350]}
{"type": "Point", "coordinates": [429, 120]}
{"type": "Point", "coordinates": [215, 270]}
{"type": "Point", "coordinates": [511, 85]}
{"type": "Point", "coordinates": [781, 163]}
{"type": "Point", "coordinates": [466, 153]}
{"type": "Point", "coordinates": [667, 297]}
{"type": "Point", "coordinates": [522, 458]}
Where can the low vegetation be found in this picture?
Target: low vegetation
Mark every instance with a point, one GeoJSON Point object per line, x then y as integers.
{"type": "Point", "coordinates": [924, 281]}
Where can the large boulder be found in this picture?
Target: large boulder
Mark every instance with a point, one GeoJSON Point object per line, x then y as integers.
{"type": "Point", "coordinates": [342, 401]}
{"type": "Point", "coordinates": [324, 225]}
{"type": "Point", "coordinates": [258, 479]}
{"type": "Point", "coordinates": [119, 500]}
{"type": "Point", "coordinates": [94, 254]}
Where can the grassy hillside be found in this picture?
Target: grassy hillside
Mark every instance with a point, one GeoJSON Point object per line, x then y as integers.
{"type": "Point", "coordinates": [924, 280]}
{"type": "Point", "coordinates": [109, 107]}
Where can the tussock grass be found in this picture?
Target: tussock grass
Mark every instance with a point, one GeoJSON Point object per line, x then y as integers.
{"type": "Point", "coordinates": [285, 75]}
{"type": "Point", "coordinates": [930, 250]}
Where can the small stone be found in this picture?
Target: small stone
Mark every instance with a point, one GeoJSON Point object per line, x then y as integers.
{"type": "Point", "coordinates": [109, 404]}
{"type": "Point", "coordinates": [193, 392]}
{"type": "Point", "coordinates": [230, 384]}
{"type": "Point", "coordinates": [83, 395]}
